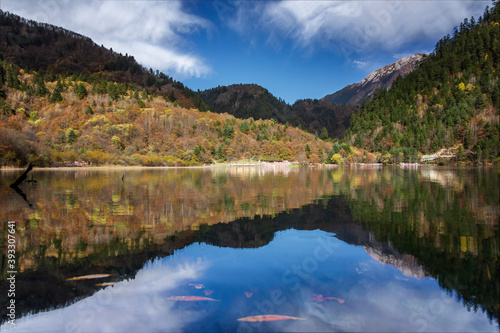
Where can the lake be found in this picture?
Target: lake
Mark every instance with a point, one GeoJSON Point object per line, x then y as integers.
{"type": "Point", "coordinates": [246, 249]}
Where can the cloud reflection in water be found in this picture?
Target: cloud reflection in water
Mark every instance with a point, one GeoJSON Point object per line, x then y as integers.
{"type": "Point", "coordinates": [282, 278]}
{"type": "Point", "coordinates": [137, 305]}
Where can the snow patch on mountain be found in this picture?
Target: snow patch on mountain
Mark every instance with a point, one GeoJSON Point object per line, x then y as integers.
{"type": "Point", "coordinates": [381, 78]}
{"type": "Point", "coordinates": [406, 65]}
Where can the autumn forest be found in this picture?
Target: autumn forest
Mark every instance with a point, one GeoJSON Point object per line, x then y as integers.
{"type": "Point", "coordinates": [64, 98]}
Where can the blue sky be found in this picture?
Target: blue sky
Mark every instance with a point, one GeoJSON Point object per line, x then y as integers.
{"type": "Point", "coordinates": [295, 49]}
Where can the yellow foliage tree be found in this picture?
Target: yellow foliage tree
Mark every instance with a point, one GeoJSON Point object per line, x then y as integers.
{"type": "Point", "coordinates": [337, 159]}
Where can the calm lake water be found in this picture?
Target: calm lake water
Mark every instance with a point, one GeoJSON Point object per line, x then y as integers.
{"type": "Point", "coordinates": [195, 250]}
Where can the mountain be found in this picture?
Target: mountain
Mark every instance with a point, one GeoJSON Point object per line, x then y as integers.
{"type": "Point", "coordinates": [49, 50]}
{"type": "Point", "coordinates": [318, 116]}
{"type": "Point", "coordinates": [251, 100]}
{"type": "Point", "coordinates": [452, 100]}
{"type": "Point", "coordinates": [51, 120]}
{"type": "Point", "coordinates": [381, 78]}
{"type": "Point", "coordinates": [246, 100]}
{"type": "Point", "coordinates": [332, 112]}
{"type": "Point", "coordinates": [63, 98]}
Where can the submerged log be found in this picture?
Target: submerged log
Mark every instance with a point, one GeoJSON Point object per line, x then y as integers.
{"type": "Point", "coordinates": [22, 177]}
{"type": "Point", "coordinates": [21, 193]}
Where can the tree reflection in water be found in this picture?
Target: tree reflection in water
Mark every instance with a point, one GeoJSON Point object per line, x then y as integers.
{"type": "Point", "coordinates": [426, 222]}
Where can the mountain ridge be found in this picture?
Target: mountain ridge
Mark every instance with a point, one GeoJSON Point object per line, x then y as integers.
{"type": "Point", "coordinates": [381, 78]}
{"type": "Point", "coordinates": [252, 100]}
{"type": "Point", "coordinates": [49, 49]}
{"type": "Point", "coordinates": [452, 100]}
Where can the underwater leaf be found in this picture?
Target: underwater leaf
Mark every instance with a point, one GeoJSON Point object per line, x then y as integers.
{"type": "Point", "coordinates": [269, 318]}
{"type": "Point", "coordinates": [88, 277]}
{"type": "Point", "coordinates": [248, 294]}
{"type": "Point", "coordinates": [191, 298]}
{"type": "Point", "coordinates": [321, 298]}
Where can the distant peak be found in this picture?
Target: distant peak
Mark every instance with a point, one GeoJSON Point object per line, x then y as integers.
{"type": "Point", "coordinates": [381, 78]}
{"type": "Point", "coordinates": [376, 76]}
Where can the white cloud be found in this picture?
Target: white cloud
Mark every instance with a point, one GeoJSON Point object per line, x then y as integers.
{"type": "Point", "coordinates": [138, 305]}
{"type": "Point", "coordinates": [159, 57]}
{"type": "Point", "coordinates": [154, 32]}
{"type": "Point", "coordinates": [360, 64]}
{"type": "Point", "coordinates": [356, 27]}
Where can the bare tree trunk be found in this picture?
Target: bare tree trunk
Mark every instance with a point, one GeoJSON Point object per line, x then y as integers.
{"type": "Point", "coordinates": [22, 177]}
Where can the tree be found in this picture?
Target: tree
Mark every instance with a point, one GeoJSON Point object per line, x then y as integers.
{"type": "Point", "coordinates": [81, 91]}
{"type": "Point", "coordinates": [358, 141]}
{"type": "Point", "coordinates": [117, 142]}
{"type": "Point", "coordinates": [171, 96]}
{"type": "Point", "coordinates": [113, 91]}
{"type": "Point", "coordinates": [5, 107]}
{"type": "Point", "coordinates": [220, 152]}
{"type": "Point", "coordinates": [244, 127]}
{"type": "Point", "coordinates": [337, 159]}
{"type": "Point", "coordinates": [71, 136]}
{"type": "Point", "coordinates": [460, 154]}
{"type": "Point", "coordinates": [324, 134]}
{"type": "Point", "coordinates": [12, 74]}
{"type": "Point", "coordinates": [89, 111]}
{"type": "Point", "coordinates": [228, 131]}
{"type": "Point", "coordinates": [496, 97]}
{"type": "Point", "coordinates": [385, 158]}
{"type": "Point", "coordinates": [56, 93]}
{"type": "Point", "coordinates": [41, 89]}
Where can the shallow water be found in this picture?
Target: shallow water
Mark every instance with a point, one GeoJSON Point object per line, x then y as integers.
{"type": "Point", "coordinates": [385, 249]}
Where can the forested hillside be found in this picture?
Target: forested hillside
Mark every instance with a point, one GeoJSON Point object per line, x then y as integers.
{"type": "Point", "coordinates": [451, 101]}
{"type": "Point", "coordinates": [48, 119]}
{"type": "Point", "coordinates": [51, 50]}
{"type": "Point", "coordinates": [247, 100]}
{"type": "Point", "coordinates": [63, 98]}
{"type": "Point", "coordinates": [251, 100]}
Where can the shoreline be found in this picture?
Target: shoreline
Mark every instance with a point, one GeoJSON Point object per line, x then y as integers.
{"type": "Point", "coordinates": [131, 167]}
{"type": "Point", "coordinates": [238, 164]}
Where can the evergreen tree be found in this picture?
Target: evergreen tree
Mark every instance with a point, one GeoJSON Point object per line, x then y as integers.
{"type": "Point", "coordinates": [308, 151]}
{"type": "Point", "coordinates": [113, 92]}
{"type": "Point", "coordinates": [324, 134]}
{"type": "Point", "coordinates": [71, 136]}
{"type": "Point", "coordinates": [12, 74]}
{"type": "Point", "coordinates": [89, 111]}
{"type": "Point", "coordinates": [41, 89]}
{"type": "Point", "coordinates": [81, 91]}
{"type": "Point", "coordinates": [56, 93]}
{"type": "Point", "coordinates": [171, 96]}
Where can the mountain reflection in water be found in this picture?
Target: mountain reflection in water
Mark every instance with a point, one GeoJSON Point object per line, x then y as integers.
{"type": "Point", "coordinates": [438, 237]}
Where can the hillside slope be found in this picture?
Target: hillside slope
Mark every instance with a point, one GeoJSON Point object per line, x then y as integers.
{"type": "Point", "coordinates": [50, 50]}
{"type": "Point", "coordinates": [451, 100]}
{"type": "Point", "coordinates": [246, 100]}
{"type": "Point", "coordinates": [251, 100]}
{"type": "Point", "coordinates": [52, 122]}
{"type": "Point", "coordinates": [319, 116]}
{"type": "Point", "coordinates": [381, 78]}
